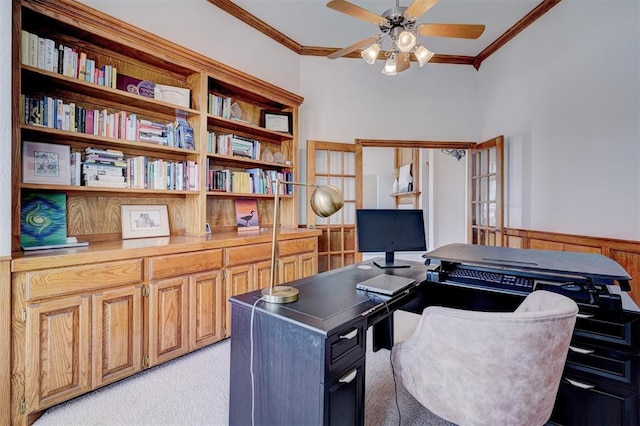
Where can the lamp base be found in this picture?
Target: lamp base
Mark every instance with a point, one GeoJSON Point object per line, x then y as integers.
{"type": "Point", "coordinates": [280, 294]}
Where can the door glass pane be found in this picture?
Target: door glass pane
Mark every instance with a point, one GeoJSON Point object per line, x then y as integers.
{"type": "Point", "coordinates": [321, 162]}
{"type": "Point", "coordinates": [492, 214]}
{"type": "Point", "coordinates": [321, 180]}
{"type": "Point", "coordinates": [492, 160]}
{"type": "Point", "coordinates": [483, 162]}
{"type": "Point", "coordinates": [492, 188]}
{"type": "Point", "coordinates": [483, 214]}
{"type": "Point", "coordinates": [349, 191]}
{"type": "Point", "coordinates": [484, 186]}
{"type": "Point", "coordinates": [349, 213]}
{"type": "Point", "coordinates": [335, 162]}
{"type": "Point", "coordinates": [349, 163]}
{"type": "Point", "coordinates": [337, 182]}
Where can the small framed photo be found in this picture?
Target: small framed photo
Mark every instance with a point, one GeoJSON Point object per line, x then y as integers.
{"type": "Point", "coordinates": [142, 221]}
{"type": "Point", "coordinates": [46, 163]}
{"type": "Point", "coordinates": [247, 214]}
{"type": "Point", "coordinates": [277, 121]}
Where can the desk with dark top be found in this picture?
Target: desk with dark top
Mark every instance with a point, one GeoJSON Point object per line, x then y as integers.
{"type": "Point", "coordinates": [309, 355]}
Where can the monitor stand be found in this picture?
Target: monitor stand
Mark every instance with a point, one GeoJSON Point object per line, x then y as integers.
{"type": "Point", "coordinates": [389, 262]}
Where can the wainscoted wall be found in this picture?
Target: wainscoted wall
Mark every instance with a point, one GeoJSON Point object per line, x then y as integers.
{"type": "Point", "coordinates": [625, 252]}
{"type": "Point", "coordinates": [5, 340]}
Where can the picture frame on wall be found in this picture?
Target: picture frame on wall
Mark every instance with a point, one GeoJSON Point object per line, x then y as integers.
{"type": "Point", "coordinates": [143, 221]}
{"type": "Point", "coordinates": [277, 121]}
{"type": "Point", "coordinates": [46, 163]}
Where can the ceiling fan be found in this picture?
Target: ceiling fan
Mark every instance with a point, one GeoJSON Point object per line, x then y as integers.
{"type": "Point", "coordinates": [398, 24]}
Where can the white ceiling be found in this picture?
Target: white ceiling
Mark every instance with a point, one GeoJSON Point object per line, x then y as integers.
{"type": "Point", "coordinates": [312, 23]}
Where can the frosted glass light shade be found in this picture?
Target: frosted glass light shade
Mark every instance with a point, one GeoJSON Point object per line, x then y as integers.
{"type": "Point", "coordinates": [406, 41]}
{"type": "Point", "coordinates": [370, 54]}
{"type": "Point", "coordinates": [423, 55]}
{"type": "Point", "coordinates": [390, 66]}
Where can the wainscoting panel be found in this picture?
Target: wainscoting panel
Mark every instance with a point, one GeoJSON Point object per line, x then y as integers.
{"type": "Point", "coordinates": [625, 252]}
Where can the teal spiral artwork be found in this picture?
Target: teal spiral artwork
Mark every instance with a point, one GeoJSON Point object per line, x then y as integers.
{"type": "Point", "coordinates": [43, 219]}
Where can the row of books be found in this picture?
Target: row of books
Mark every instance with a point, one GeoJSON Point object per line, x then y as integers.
{"type": "Point", "coordinates": [250, 181]}
{"type": "Point", "coordinates": [144, 173]}
{"type": "Point", "coordinates": [230, 144]}
{"type": "Point", "coordinates": [43, 53]}
{"type": "Point", "coordinates": [56, 114]}
{"type": "Point", "coordinates": [104, 167]}
{"type": "Point", "coordinates": [219, 105]}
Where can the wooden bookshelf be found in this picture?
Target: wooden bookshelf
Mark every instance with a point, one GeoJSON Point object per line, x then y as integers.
{"type": "Point", "coordinates": [132, 304]}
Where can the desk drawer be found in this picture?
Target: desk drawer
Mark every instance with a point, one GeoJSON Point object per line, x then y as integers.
{"type": "Point", "coordinates": [594, 405]}
{"type": "Point", "coordinates": [619, 366]}
{"type": "Point", "coordinates": [344, 347]}
{"type": "Point", "coordinates": [619, 328]}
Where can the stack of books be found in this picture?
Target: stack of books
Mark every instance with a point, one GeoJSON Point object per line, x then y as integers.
{"type": "Point", "coordinates": [104, 167]}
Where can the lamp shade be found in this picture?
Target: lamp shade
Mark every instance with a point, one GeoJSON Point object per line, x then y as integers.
{"type": "Point", "coordinates": [406, 41]}
{"type": "Point", "coordinates": [326, 200]}
{"type": "Point", "coordinates": [423, 55]}
{"type": "Point", "coordinates": [370, 54]}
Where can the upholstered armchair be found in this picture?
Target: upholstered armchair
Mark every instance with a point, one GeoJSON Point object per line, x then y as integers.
{"type": "Point", "coordinates": [487, 368]}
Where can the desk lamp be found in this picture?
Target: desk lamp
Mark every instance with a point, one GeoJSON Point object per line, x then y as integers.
{"type": "Point", "coordinates": [325, 201]}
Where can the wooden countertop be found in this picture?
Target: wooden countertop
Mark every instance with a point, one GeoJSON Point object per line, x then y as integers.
{"type": "Point", "coordinates": [127, 249]}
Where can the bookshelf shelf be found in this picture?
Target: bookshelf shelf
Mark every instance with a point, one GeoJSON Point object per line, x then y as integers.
{"type": "Point", "coordinates": [83, 139]}
{"type": "Point", "coordinates": [46, 80]}
{"type": "Point", "coordinates": [71, 189]}
{"type": "Point", "coordinates": [247, 128]}
{"type": "Point", "coordinates": [223, 194]}
{"type": "Point", "coordinates": [230, 161]}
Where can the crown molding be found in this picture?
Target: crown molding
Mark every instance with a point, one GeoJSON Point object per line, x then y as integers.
{"type": "Point", "coordinates": [261, 26]}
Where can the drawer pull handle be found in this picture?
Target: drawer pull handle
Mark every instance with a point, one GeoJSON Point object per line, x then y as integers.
{"type": "Point", "coordinates": [581, 350]}
{"type": "Point", "coordinates": [349, 377]}
{"type": "Point", "coordinates": [585, 316]}
{"type": "Point", "coordinates": [580, 385]}
{"type": "Point", "coordinates": [350, 335]}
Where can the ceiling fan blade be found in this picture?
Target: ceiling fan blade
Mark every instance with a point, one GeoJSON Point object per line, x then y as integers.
{"type": "Point", "coordinates": [355, 46]}
{"type": "Point", "coordinates": [356, 11]}
{"type": "Point", "coordinates": [402, 62]}
{"type": "Point", "coordinates": [419, 7]}
{"type": "Point", "coordinates": [450, 30]}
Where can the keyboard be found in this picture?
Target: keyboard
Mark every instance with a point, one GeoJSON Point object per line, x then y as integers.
{"type": "Point", "coordinates": [491, 279]}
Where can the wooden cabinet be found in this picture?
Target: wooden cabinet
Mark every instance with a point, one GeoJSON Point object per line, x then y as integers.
{"type": "Point", "coordinates": [168, 319]}
{"type": "Point", "coordinates": [205, 308]}
{"type": "Point", "coordinates": [117, 333]}
{"type": "Point", "coordinates": [298, 259]}
{"type": "Point", "coordinates": [57, 351]}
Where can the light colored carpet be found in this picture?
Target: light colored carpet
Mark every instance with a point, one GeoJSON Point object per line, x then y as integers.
{"type": "Point", "coordinates": [194, 390]}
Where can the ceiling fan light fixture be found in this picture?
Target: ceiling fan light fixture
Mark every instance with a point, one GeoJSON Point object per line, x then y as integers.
{"type": "Point", "coordinates": [370, 54]}
{"type": "Point", "coordinates": [406, 41]}
{"type": "Point", "coordinates": [423, 55]}
{"type": "Point", "coordinates": [390, 66]}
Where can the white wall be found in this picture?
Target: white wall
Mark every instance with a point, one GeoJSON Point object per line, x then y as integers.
{"type": "Point", "coordinates": [346, 99]}
{"type": "Point", "coordinates": [204, 28]}
{"type": "Point", "coordinates": [5, 128]}
{"type": "Point", "coordinates": [566, 93]}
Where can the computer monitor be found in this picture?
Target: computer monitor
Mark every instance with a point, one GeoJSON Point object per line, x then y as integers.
{"type": "Point", "coordinates": [388, 231]}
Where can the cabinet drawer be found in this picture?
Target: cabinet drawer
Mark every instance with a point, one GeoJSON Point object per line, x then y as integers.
{"type": "Point", "coordinates": [73, 279]}
{"type": "Point", "coordinates": [620, 366]}
{"type": "Point", "coordinates": [343, 396]}
{"type": "Point", "coordinates": [184, 263]}
{"type": "Point", "coordinates": [620, 328]}
{"type": "Point", "coordinates": [344, 347]}
{"type": "Point", "coordinates": [247, 254]}
{"type": "Point", "coordinates": [301, 245]}
{"type": "Point", "coordinates": [598, 405]}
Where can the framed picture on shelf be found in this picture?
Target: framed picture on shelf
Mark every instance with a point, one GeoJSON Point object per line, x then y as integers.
{"type": "Point", "coordinates": [277, 121]}
{"type": "Point", "coordinates": [46, 163]}
{"type": "Point", "coordinates": [247, 215]}
{"type": "Point", "coordinates": [142, 221]}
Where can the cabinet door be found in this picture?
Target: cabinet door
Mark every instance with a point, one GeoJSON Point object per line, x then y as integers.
{"type": "Point", "coordinates": [239, 280]}
{"type": "Point", "coordinates": [308, 265]}
{"type": "Point", "coordinates": [288, 269]}
{"type": "Point", "coordinates": [57, 365]}
{"type": "Point", "coordinates": [117, 334]}
{"type": "Point", "coordinates": [263, 275]}
{"type": "Point", "coordinates": [205, 309]}
{"type": "Point", "coordinates": [168, 304]}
